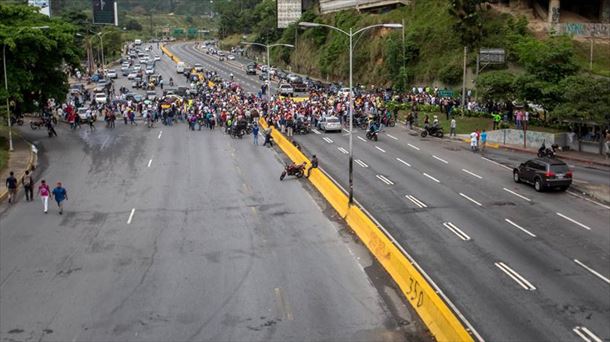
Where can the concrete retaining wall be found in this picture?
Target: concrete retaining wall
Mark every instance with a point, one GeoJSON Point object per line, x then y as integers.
{"type": "Point", "coordinates": [534, 138]}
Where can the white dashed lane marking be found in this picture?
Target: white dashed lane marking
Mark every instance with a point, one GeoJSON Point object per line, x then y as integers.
{"type": "Point", "coordinates": [131, 215]}
{"type": "Point", "coordinates": [439, 159]}
{"type": "Point", "coordinates": [574, 221]}
{"type": "Point", "coordinates": [361, 138]}
{"type": "Point", "coordinates": [380, 149]}
{"type": "Point", "coordinates": [384, 179]}
{"type": "Point", "coordinates": [472, 174]}
{"type": "Point", "coordinates": [516, 194]}
{"type": "Point", "coordinates": [361, 163]}
{"type": "Point", "coordinates": [404, 162]}
{"type": "Point", "coordinates": [149, 162]}
{"type": "Point", "coordinates": [457, 231]}
{"type": "Point", "coordinates": [597, 274]}
{"type": "Point", "coordinates": [524, 283]}
{"type": "Point", "coordinates": [391, 136]}
{"type": "Point", "coordinates": [470, 199]}
{"type": "Point", "coordinates": [160, 133]}
{"type": "Point", "coordinates": [344, 151]}
{"type": "Point", "coordinates": [586, 334]}
{"type": "Point", "coordinates": [413, 147]}
{"type": "Point", "coordinates": [521, 228]}
{"type": "Point", "coordinates": [328, 140]}
{"type": "Point", "coordinates": [416, 201]}
{"type": "Point", "coordinates": [434, 179]}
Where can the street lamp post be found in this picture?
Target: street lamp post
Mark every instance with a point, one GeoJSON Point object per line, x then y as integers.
{"type": "Point", "coordinates": [101, 35]}
{"type": "Point", "coordinates": [8, 110]}
{"type": "Point", "coordinates": [267, 46]}
{"type": "Point", "coordinates": [351, 35]}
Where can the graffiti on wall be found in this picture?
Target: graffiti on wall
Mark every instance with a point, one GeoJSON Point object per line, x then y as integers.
{"type": "Point", "coordinates": [586, 30]}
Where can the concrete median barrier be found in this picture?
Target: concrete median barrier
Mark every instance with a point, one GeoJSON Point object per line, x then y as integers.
{"type": "Point", "coordinates": [435, 312]}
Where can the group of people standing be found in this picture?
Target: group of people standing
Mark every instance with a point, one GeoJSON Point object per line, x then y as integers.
{"type": "Point", "coordinates": [59, 193]}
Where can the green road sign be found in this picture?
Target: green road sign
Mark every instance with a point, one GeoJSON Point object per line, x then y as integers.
{"type": "Point", "coordinates": [445, 93]}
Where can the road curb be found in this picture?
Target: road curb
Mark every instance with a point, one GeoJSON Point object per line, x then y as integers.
{"type": "Point", "coordinates": [586, 161]}
{"type": "Point", "coordinates": [31, 162]}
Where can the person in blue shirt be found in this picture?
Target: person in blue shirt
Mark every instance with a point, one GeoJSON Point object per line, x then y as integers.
{"type": "Point", "coordinates": [483, 139]}
{"type": "Point", "coordinates": [255, 133]}
{"type": "Point", "coordinates": [60, 194]}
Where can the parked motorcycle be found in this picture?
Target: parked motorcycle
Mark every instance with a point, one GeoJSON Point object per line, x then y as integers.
{"type": "Point", "coordinates": [37, 124]}
{"type": "Point", "coordinates": [544, 151]}
{"type": "Point", "coordinates": [16, 121]}
{"type": "Point", "coordinates": [297, 170]}
{"type": "Point", "coordinates": [432, 131]}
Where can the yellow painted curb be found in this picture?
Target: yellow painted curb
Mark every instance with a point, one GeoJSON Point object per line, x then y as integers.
{"type": "Point", "coordinates": [436, 314]}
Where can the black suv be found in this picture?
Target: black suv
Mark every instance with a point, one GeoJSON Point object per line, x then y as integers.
{"type": "Point", "coordinates": [251, 69]}
{"type": "Point", "coordinates": [544, 173]}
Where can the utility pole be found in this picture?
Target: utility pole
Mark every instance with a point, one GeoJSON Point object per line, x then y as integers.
{"type": "Point", "coordinates": [464, 81]}
{"type": "Point", "coordinates": [591, 55]}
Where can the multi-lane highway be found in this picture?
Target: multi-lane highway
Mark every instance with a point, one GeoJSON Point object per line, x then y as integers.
{"type": "Point", "coordinates": [171, 235]}
{"type": "Point", "coordinates": [519, 265]}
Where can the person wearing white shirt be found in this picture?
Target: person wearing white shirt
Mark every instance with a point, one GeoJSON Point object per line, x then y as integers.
{"type": "Point", "coordinates": [473, 141]}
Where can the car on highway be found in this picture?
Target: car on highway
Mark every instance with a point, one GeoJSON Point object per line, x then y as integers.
{"type": "Point", "coordinates": [157, 58]}
{"type": "Point", "coordinates": [198, 67]}
{"type": "Point", "coordinates": [281, 74]}
{"type": "Point", "coordinates": [220, 53]}
{"type": "Point", "coordinates": [231, 57]}
{"type": "Point", "coordinates": [137, 67]}
{"type": "Point", "coordinates": [343, 92]}
{"type": "Point", "coordinates": [111, 73]}
{"type": "Point", "coordinates": [544, 173]}
{"type": "Point", "coordinates": [151, 95]}
{"type": "Point", "coordinates": [101, 98]}
{"type": "Point", "coordinates": [137, 82]}
{"type": "Point", "coordinates": [150, 70]}
{"type": "Point", "coordinates": [263, 76]}
{"type": "Point", "coordinates": [294, 78]}
{"type": "Point", "coordinates": [125, 70]}
{"type": "Point", "coordinates": [82, 113]}
{"type": "Point", "coordinates": [100, 86]}
{"type": "Point", "coordinates": [329, 123]}
{"type": "Point", "coordinates": [180, 67]}
{"type": "Point", "coordinates": [132, 74]}
{"type": "Point", "coordinates": [251, 69]}
{"type": "Point", "coordinates": [221, 58]}
{"type": "Point", "coordinates": [285, 89]}
{"type": "Point", "coordinates": [134, 97]}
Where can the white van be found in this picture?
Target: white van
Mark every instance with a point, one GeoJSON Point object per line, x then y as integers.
{"type": "Point", "coordinates": [138, 41]}
{"type": "Point", "coordinates": [180, 67]}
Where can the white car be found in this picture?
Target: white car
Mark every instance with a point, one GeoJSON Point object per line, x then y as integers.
{"type": "Point", "coordinates": [231, 57]}
{"type": "Point", "coordinates": [198, 67]}
{"type": "Point", "coordinates": [111, 73]}
{"type": "Point", "coordinates": [330, 123]}
{"type": "Point", "coordinates": [343, 92]}
{"type": "Point", "coordinates": [151, 95]}
{"type": "Point", "coordinates": [285, 89]}
{"type": "Point", "coordinates": [157, 58]}
{"type": "Point", "coordinates": [150, 70]}
{"type": "Point", "coordinates": [132, 75]}
{"type": "Point", "coordinates": [220, 53]}
{"type": "Point", "coordinates": [137, 67]}
{"type": "Point", "coordinates": [101, 98]}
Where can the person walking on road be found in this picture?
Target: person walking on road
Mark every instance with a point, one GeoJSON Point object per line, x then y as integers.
{"type": "Point", "coordinates": [60, 194]}
{"type": "Point", "coordinates": [28, 186]}
{"type": "Point", "coordinates": [44, 192]}
{"type": "Point", "coordinates": [11, 185]}
{"type": "Point", "coordinates": [255, 133]}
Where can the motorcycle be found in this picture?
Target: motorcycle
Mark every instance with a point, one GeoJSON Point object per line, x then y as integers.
{"type": "Point", "coordinates": [388, 122]}
{"type": "Point", "coordinates": [372, 135]}
{"type": "Point", "coordinates": [297, 170]}
{"type": "Point", "coordinates": [37, 124]}
{"type": "Point", "coordinates": [543, 151]}
{"type": "Point", "coordinates": [237, 131]}
{"type": "Point", "coordinates": [16, 121]}
{"type": "Point", "coordinates": [362, 122]}
{"type": "Point", "coordinates": [302, 128]}
{"type": "Point", "coordinates": [433, 131]}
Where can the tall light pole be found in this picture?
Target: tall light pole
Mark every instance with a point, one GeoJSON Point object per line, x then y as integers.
{"type": "Point", "coordinates": [267, 46]}
{"type": "Point", "coordinates": [8, 110]}
{"type": "Point", "coordinates": [351, 35]}
{"type": "Point", "coordinates": [101, 35]}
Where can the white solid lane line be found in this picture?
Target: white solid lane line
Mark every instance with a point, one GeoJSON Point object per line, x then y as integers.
{"type": "Point", "coordinates": [586, 334]}
{"type": "Point", "coordinates": [471, 200]}
{"type": "Point", "coordinates": [328, 140]}
{"type": "Point", "coordinates": [516, 194]}
{"type": "Point", "coordinates": [472, 174]}
{"type": "Point", "coordinates": [404, 162]}
{"type": "Point", "coordinates": [380, 149]}
{"type": "Point", "coordinates": [361, 138]}
{"type": "Point", "coordinates": [160, 132]}
{"type": "Point", "coordinates": [440, 159]}
{"type": "Point", "coordinates": [416, 201]}
{"type": "Point", "coordinates": [515, 276]}
{"type": "Point", "coordinates": [587, 199]}
{"type": "Point", "coordinates": [384, 179]}
{"type": "Point", "coordinates": [149, 162]}
{"type": "Point", "coordinates": [434, 179]}
{"type": "Point", "coordinates": [131, 215]}
{"type": "Point", "coordinates": [316, 131]}
{"type": "Point", "coordinates": [391, 136]}
{"type": "Point", "coordinates": [574, 221]}
{"type": "Point", "coordinates": [344, 151]}
{"type": "Point", "coordinates": [346, 130]}
{"type": "Point", "coordinates": [413, 147]}
{"type": "Point", "coordinates": [599, 275]}
{"type": "Point", "coordinates": [519, 227]}
{"type": "Point", "coordinates": [457, 231]}
{"type": "Point", "coordinates": [361, 163]}
{"type": "Point", "coordinates": [495, 162]}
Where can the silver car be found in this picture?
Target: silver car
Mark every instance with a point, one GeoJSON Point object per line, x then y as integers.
{"type": "Point", "coordinates": [330, 123]}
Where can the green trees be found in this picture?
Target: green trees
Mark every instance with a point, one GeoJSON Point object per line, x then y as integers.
{"type": "Point", "coordinates": [469, 25]}
{"type": "Point", "coordinates": [36, 58]}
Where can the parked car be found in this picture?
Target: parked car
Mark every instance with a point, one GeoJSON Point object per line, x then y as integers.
{"type": "Point", "coordinates": [101, 98]}
{"type": "Point", "coordinates": [294, 78]}
{"type": "Point", "coordinates": [134, 97]}
{"type": "Point", "coordinates": [251, 69]}
{"type": "Point", "coordinates": [285, 90]}
{"type": "Point", "coordinates": [544, 173]}
{"type": "Point", "coordinates": [151, 95]}
{"type": "Point", "coordinates": [111, 73]}
{"type": "Point", "coordinates": [156, 58]}
{"type": "Point", "coordinates": [231, 57]}
{"type": "Point", "coordinates": [137, 67]}
{"type": "Point", "coordinates": [100, 86]}
{"type": "Point", "coordinates": [198, 67]}
{"type": "Point", "coordinates": [132, 74]}
{"type": "Point", "coordinates": [150, 70]}
{"type": "Point", "coordinates": [329, 123]}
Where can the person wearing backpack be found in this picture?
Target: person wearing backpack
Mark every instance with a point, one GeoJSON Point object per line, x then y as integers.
{"type": "Point", "coordinates": [28, 186]}
{"type": "Point", "coordinates": [44, 192]}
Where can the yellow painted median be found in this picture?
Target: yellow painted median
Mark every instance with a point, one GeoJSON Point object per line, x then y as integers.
{"type": "Point", "coordinates": [432, 309]}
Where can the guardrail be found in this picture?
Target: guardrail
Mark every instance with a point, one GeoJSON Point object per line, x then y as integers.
{"type": "Point", "coordinates": [436, 314]}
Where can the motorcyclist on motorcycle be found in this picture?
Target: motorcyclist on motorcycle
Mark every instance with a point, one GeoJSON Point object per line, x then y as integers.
{"type": "Point", "coordinates": [171, 82]}
{"type": "Point", "coordinates": [231, 75]}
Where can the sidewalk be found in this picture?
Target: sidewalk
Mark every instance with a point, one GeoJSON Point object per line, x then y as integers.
{"type": "Point", "coordinates": [20, 160]}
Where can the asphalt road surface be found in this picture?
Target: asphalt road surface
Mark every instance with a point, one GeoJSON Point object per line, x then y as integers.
{"type": "Point", "coordinates": [519, 265]}
{"type": "Point", "coordinates": [171, 235]}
